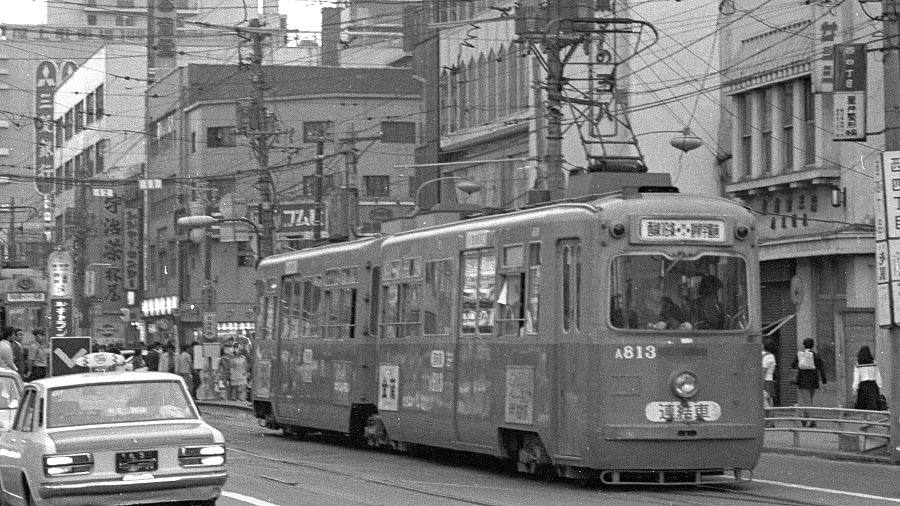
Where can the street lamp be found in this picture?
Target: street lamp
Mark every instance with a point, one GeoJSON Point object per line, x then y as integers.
{"type": "Point", "coordinates": [204, 221]}
{"type": "Point", "coordinates": [465, 184]}
{"type": "Point", "coordinates": [685, 142]}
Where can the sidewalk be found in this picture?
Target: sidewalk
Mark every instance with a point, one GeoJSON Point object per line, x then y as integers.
{"type": "Point", "coordinates": [812, 444]}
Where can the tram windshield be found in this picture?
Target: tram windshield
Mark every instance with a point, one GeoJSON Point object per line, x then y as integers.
{"type": "Point", "coordinates": [660, 292]}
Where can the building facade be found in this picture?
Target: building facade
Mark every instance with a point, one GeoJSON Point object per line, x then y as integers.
{"type": "Point", "coordinates": [340, 138]}
{"type": "Point", "coordinates": [813, 193]}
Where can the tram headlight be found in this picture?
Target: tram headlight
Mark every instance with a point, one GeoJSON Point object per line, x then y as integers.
{"type": "Point", "coordinates": [684, 385]}
{"type": "Point", "coordinates": [741, 232]}
{"type": "Point", "coordinates": [617, 230]}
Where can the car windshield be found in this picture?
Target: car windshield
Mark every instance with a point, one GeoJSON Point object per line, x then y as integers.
{"type": "Point", "coordinates": [672, 292]}
{"type": "Point", "coordinates": [9, 391]}
{"type": "Point", "coordinates": [140, 401]}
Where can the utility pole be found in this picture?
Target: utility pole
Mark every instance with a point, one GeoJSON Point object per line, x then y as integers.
{"type": "Point", "coordinates": [259, 134]}
{"type": "Point", "coordinates": [891, 83]}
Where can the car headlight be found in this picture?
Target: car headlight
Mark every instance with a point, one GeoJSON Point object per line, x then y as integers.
{"type": "Point", "coordinates": [76, 463]}
{"type": "Point", "coordinates": [209, 455]}
{"type": "Point", "coordinates": [684, 385]}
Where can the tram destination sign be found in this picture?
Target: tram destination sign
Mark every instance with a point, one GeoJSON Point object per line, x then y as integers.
{"type": "Point", "coordinates": [665, 230]}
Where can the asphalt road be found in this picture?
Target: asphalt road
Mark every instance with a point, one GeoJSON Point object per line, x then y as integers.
{"type": "Point", "coordinates": [269, 469]}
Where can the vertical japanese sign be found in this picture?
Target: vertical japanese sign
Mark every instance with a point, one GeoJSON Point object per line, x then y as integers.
{"type": "Point", "coordinates": [826, 28]}
{"type": "Point", "coordinates": [887, 240]}
{"type": "Point", "coordinates": [131, 238]}
{"type": "Point", "coordinates": [60, 268]}
{"type": "Point", "coordinates": [44, 90]}
{"type": "Point", "coordinates": [111, 224]}
{"type": "Point", "coordinates": [849, 110]}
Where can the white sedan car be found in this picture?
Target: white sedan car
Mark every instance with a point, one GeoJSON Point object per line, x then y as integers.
{"type": "Point", "coordinates": [113, 438]}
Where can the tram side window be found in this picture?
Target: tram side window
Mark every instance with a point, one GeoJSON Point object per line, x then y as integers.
{"type": "Point", "coordinates": [533, 288]}
{"type": "Point", "coordinates": [437, 299]}
{"type": "Point", "coordinates": [339, 299]}
{"type": "Point", "coordinates": [290, 303]}
{"type": "Point", "coordinates": [479, 279]}
{"type": "Point", "coordinates": [401, 296]}
{"type": "Point", "coordinates": [311, 306]}
{"type": "Point", "coordinates": [570, 279]}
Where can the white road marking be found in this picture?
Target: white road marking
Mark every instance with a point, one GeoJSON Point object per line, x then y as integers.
{"type": "Point", "coordinates": [247, 499]}
{"type": "Point", "coordinates": [828, 491]}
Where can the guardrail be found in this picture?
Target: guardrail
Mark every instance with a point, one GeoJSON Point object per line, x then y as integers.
{"type": "Point", "coordinates": [842, 430]}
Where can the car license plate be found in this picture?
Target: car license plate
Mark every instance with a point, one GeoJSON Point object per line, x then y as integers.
{"type": "Point", "coordinates": [691, 411]}
{"type": "Point", "coordinates": [136, 462]}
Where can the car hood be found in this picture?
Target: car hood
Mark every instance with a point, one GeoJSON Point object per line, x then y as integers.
{"type": "Point", "coordinates": [132, 436]}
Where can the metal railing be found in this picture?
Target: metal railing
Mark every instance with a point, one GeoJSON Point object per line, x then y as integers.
{"type": "Point", "coordinates": [831, 429]}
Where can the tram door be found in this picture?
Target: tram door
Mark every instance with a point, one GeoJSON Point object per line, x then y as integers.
{"type": "Point", "coordinates": [572, 360]}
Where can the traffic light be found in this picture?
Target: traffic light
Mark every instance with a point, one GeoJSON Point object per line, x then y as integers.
{"type": "Point", "coordinates": [126, 314]}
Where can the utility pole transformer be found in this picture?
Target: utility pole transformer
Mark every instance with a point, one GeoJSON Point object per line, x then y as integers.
{"type": "Point", "coordinates": [891, 83]}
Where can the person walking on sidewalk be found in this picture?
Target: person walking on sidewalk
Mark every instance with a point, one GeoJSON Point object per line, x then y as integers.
{"type": "Point", "coordinates": [866, 381]}
{"type": "Point", "coordinates": [809, 370]}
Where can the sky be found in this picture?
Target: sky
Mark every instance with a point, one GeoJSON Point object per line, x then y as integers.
{"type": "Point", "coordinates": [302, 14]}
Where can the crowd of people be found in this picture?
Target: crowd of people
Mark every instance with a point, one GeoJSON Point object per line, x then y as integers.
{"type": "Point", "coordinates": [230, 377]}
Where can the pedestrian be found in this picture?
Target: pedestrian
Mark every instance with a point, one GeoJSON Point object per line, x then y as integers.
{"type": "Point", "coordinates": [224, 373]}
{"type": "Point", "coordinates": [38, 355]}
{"type": "Point", "coordinates": [7, 359]}
{"type": "Point", "coordinates": [238, 373]}
{"type": "Point", "coordinates": [866, 381]}
{"type": "Point", "coordinates": [152, 358]}
{"type": "Point", "coordinates": [809, 371]}
{"type": "Point", "coordinates": [19, 355]}
{"type": "Point", "coordinates": [768, 364]}
{"type": "Point", "coordinates": [167, 359]}
{"type": "Point", "coordinates": [137, 360]}
{"type": "Point", "coordinates": [184, 365]}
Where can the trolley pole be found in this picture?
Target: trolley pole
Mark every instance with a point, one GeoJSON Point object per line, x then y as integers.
{"type": "Point", "coordinates": [260, 143]}
{"type": "Point", "coordinates": [891, 62]}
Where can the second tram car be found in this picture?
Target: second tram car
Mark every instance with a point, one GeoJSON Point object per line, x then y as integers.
{"type": "Point", "coordinates": [613, 338]}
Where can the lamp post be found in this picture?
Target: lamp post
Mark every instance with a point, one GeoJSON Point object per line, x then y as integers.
{"type": "Point", "coordinates": [685, 142]}
{"type": "Point", "coordinates": [465, 184]}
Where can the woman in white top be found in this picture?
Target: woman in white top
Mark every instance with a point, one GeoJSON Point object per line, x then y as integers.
{"type": "Point", "coordinates": [768, 365]}
{"type": "Point", "coordinates": [866, 380]}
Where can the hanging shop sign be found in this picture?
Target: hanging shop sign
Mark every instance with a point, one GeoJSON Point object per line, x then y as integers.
{"type": "Point", "coordinates": [849, 110]}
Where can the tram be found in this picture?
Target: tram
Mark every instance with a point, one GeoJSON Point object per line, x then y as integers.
{"type": "Point", "coordinates": [613, 336]}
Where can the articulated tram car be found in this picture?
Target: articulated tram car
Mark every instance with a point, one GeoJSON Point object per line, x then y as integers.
{"type": "Point", "coordinates": [614, 338]}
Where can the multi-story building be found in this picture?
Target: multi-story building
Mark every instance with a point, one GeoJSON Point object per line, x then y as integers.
{"type": "Point", "coordinates": [813, 193]}
{"type": "Point", "coordinates": [134, 13]}
{"type": "Point", "coordinates": [350, 129]}
{"type": "Point", "coordinates": [99, 152]}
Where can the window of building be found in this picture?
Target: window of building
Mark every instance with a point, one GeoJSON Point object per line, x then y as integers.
{"type": "Point", "coordinates": [90, 167]}
{"type": "Point", "coordinates": [377, 186]}
{"type": "Point", "coordinates": [79, 117]}
{"type": "Point", "coordinates": [59, 127]}
{"type": "Point", "coordinates": [92, 20]}
{"type": "Point", "coordinates": [89, 109]}
{"type": "Point", "coordinates": [787, 126]}
{"type": "Point", "coordinates": [314, 131]}
{"type": "Point", "coordinates": [220, 137]}
{"type": "Point", "coordinates": [100, 156]}
{"type": "Point", "coordinates": [99, 100]}
{"type": "Point", "coordinates": [68, 124]}
{"type": "Point", "coordinates": [398, 132]}
{"type": "Point", "coordinates": [766, 128]}
{"type": "Point", "coordinates": [809, 120]}
{"type": "Point", "coordinates": [245, 255]}
{"type": "Point", "coordinates": [309, 185]}
{"type": "Point", "coordinates": [124, 21]}
{"type": "Point", "coordinates": [68, 174]}
{"type": "Point", "coordinates": [746, 124]}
